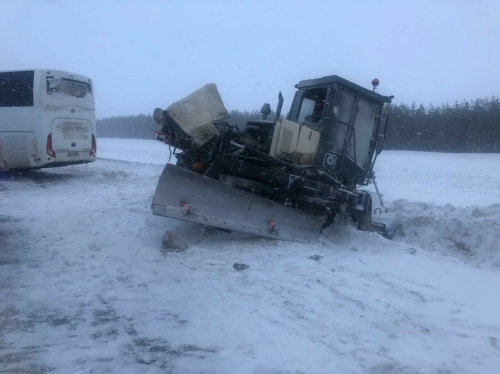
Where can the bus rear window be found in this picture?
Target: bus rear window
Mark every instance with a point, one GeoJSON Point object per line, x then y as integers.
{"type": "Point", "coordinates": [67, 86]}
{"type": "Point", "coordinates": [16, 88]}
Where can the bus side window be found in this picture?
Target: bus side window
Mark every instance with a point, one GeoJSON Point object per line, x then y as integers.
{"type": "Point", "coordinates": [16, 89]}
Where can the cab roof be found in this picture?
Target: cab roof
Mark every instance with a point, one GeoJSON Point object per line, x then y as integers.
{"type": "Point", "coordinates": [332, 79]}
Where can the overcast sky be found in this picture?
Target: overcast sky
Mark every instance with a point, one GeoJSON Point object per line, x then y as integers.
{"type": "Point", "coordinates": [145, 54]}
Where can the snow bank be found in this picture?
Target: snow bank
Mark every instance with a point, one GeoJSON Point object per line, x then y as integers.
{"type": "Point", "coordinates": [446, 202]}
{"type": "Point", "coordinates": [470, 234]}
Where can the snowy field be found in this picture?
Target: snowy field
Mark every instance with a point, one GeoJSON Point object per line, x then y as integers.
{"type": "Point", "coordinates": [86, 288]}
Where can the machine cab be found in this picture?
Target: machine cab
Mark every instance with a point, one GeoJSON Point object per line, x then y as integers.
{"type": "Point", "coordinates": [335, 124]}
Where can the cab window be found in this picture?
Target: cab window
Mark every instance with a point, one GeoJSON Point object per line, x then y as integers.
{"type": "Point", "coordinates": [312, 105]}
{"type": "Point", "coordinates": [341, 115]}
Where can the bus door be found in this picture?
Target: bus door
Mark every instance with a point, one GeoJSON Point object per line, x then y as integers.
{"type": "Point", "coordinates": [17, 120]}
{"type": "Point", "coordinates": [17, 150]}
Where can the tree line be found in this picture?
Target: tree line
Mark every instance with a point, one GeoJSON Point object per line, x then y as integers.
{"type": "Point", "coordinates": [462, 127]}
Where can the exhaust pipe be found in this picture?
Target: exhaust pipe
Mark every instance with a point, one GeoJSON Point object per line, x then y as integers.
{"type": "Point", "coordinates": [278, 109]}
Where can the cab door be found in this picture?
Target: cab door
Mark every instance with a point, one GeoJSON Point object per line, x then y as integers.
{"type": "Point", "coordinates": [362, 132]}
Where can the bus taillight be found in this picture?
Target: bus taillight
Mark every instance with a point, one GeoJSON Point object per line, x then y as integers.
{"type": "Point", "coordinates": [94, 146]}
{"type": "Point", "coordinates": [49, 149]}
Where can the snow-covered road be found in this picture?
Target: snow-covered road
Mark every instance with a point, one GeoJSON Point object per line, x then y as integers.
{"type": "Point", "coordinates": [86, 288]}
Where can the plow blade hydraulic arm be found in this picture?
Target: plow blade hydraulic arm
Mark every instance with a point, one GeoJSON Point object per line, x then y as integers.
{"type": "Point", "coordinates": [188, 196]}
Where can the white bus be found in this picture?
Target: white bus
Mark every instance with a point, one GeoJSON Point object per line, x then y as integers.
{"type": "Point", "coordinates": [47, 118]}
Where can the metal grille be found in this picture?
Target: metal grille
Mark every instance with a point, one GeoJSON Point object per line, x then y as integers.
{"type": "Point", "coordinates": [286, 141]}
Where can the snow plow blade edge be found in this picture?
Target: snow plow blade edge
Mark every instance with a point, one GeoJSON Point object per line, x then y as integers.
{"type": "Point", "coordinates": [188, 196]}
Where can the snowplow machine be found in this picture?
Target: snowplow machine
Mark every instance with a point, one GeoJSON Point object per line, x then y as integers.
{"type": "Point", "coordinates": [283, 178]}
